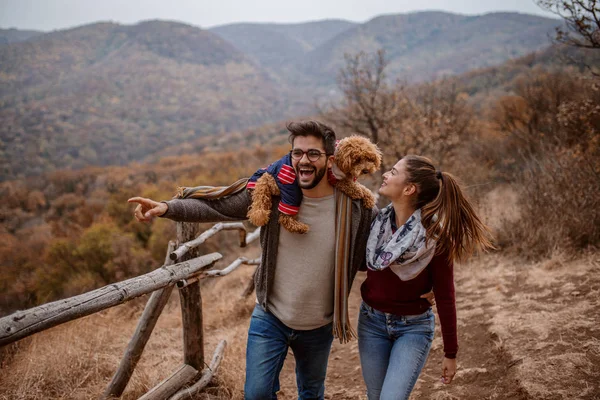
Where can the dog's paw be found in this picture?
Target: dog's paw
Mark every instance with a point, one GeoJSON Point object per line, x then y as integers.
{"type": "Point", "coordinates": [259, 217]}
{"type": "Point", "coordinates": [292, 225]}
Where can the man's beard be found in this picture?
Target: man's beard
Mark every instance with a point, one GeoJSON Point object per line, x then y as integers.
{"type": "Point", "coordinates": [319, 174]}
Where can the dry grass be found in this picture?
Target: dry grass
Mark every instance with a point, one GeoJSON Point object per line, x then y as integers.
{"type": "Point", "coordinates": [77, 360]}
{"type": "Point", "coordinates": [527, 330]}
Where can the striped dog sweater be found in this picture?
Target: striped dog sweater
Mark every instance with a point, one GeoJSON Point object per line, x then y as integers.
{"type": "Point", "coordinates": [283, 172]}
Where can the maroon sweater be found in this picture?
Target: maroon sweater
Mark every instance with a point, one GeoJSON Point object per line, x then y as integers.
{"type": "Point", "coordinates": [385, 291]}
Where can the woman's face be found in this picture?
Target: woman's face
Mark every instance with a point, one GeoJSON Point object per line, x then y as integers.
{"type": "Point", "coordinates": [395, 184]}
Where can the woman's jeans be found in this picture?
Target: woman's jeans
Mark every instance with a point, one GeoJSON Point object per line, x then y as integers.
{"type": "Point", "coordinates": [393, 350]}
{"type": "Point", "coordinates": [268, 342]}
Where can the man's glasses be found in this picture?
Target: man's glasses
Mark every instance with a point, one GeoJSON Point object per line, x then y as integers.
{"type": "Point", "coordinates": [312, 154]}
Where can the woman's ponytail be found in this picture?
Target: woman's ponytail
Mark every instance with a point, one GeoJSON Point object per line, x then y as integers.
{"type": "Point", "coordinates": [446, 213]}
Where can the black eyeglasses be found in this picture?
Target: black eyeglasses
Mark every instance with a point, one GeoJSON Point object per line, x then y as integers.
{"type": "Point", "coordinates": [312, 154]}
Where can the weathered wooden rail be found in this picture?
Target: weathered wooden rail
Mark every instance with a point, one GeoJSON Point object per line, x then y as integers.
{"type": "Point", "coordinates": [185, 275]}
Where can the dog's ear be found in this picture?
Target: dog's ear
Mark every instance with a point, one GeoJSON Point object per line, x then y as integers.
{"type": "Point", "coordinates": [357, 154]}
{"type": "Point", "coordinates": [343, 156]}
{"type": "Point", "coordinates": [369, 168]}
{"type": "Point", "coordinates": [375, 155]}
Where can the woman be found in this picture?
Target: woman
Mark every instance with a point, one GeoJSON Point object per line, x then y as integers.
{"type": "Point", "coordinates": [410, 251]}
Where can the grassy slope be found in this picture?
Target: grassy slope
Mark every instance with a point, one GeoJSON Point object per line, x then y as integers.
{"type": "Point", "coordinates": [106, 94]}
{"type": "Point", "coordinates": [526, 330]}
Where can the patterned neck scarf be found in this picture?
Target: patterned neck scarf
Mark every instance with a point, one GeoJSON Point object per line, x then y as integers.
{"type": "Point", "coordinates": [407, 251]}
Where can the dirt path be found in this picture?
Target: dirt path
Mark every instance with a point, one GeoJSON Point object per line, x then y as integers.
{"type": "Point", "coordinates": [525, 332]}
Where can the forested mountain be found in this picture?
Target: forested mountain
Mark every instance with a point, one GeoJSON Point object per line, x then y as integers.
{"type": "Point", "coordinates": [425, 45]}
{"type": "Point", "coordinates": [274, 45]}
{"type": "Point", "coordinates": [480, 86]}
{"type": "Point", "coordinates": [64, 232]}
{"type": "Point", "coordinates": [13, 35]}
{"type": "Point", "coordinates": [106, 94]}
{"type": "Point", "coordinates": [420, 46]}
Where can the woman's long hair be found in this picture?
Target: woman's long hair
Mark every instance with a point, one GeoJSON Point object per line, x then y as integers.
{"type": "Point", "coordinates": [447, 215]}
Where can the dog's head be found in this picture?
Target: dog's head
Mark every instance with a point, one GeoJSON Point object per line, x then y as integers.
{"type": "Point", "coordinates": [356, 155]}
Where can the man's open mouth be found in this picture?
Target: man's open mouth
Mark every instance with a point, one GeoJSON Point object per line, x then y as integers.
{"type": "Point", "coordinates": [306, 172]}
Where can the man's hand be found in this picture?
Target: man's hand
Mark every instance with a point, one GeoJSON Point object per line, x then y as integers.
{"type": "Point", "coordinates": [147, 209]}
{"type": "Point", "coordinates": [429, 297]}
{"type": "Point", "coordinates": [448, 370]}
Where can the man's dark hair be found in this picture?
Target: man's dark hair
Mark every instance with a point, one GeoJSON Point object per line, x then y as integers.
{"type": "Point", "coordinates": [313, 128]}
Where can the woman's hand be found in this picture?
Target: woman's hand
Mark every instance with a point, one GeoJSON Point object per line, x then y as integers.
{"type": "Point", "coordinates": [448, 370]}
{"type": "Point", "coordinates": [147, 209]}
{"type": "Point", "coordinates": [429, 296]}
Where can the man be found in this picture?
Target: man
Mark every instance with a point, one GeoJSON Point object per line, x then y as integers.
{"type": "Point", "coordinates": [296, 280]}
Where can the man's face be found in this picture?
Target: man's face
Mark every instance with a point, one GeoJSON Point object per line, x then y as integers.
{"type": "Point", "coordinates": [310, 173]}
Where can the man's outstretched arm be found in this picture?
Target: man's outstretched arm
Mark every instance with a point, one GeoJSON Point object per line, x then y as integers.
{"type": "Point", "coordinates": [230, 208]}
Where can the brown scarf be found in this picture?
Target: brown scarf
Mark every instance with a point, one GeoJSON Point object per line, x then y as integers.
{"type": "Point", "coordinates": [210, 192]}
{"type": "Point", "coordinates": [342, 329]}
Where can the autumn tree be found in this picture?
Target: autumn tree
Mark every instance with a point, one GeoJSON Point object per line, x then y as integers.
{"type": "Point", "coordinates": [582, 19]}
{"type": "Point", "coordinates": [428, 119]}
{"type": "Point", "coordinates": [440, 120]}
{"type": "Point", "coordinates": [582, 24]}
{"type": "Point", "coordinates": [529, 116]}
{"type": "Point", "coordinates": [550, 151]}
{"type": "Point", "coordinates": [370, 106]}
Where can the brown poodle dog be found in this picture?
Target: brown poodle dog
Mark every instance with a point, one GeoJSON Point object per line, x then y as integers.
{"type": "Point", "coordinates": [260, 209]}
{"type": "Point", "coordinates": [354, 156]}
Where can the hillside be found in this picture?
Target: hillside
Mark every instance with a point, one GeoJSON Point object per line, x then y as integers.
{"type": "Point", "coordinates": [107, 94]}
{"type": "Point", "coordinates": [425, 45]}
{"type": "Point", "coordinates": [483, 87]}
{"type": "Point", "coordinates": [13, 35]}
{"type": "Point", "coordinates": [278, 45]}
{"type": "Point", "coordinates": [50, 56]}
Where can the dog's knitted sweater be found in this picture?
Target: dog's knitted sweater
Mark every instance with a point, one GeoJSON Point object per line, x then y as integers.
{"type": "Point", "coordinates": [285, 177]}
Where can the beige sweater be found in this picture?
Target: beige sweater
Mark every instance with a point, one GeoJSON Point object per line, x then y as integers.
{"type": "Point", "coordinates": [302, 292]}
{"type": "Point", "coordinates": [235, 207]}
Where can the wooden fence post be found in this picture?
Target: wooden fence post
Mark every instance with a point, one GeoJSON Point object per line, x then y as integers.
{"type": "Point", "coordinates": [172, 384]}
{"type": "Point", "coordinates": [191, 304]}
{"type": "Point", "coordinates": [136, 346]}
{"type": "Point", "coordinates": [21, 324]}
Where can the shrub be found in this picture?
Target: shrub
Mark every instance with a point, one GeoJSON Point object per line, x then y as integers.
{"type": "Point", "coordinates": [558, 177]}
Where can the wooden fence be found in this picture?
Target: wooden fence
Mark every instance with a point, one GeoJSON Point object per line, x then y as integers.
{"type": "Point", "coordinates": [191, 377]}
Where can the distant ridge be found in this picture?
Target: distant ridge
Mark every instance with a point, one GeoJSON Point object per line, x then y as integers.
{"type": "Point", "coordinates": [106, 94]}
{"type": "Point", "coordinates": [14, 35]}
{"type": "Point", "coordinates": [275, 44]}
{"type": "Point", "coordinates": [426, 45]}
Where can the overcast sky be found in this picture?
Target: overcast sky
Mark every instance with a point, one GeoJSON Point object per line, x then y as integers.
{"type": "Point", "coordinates": [49, 15]}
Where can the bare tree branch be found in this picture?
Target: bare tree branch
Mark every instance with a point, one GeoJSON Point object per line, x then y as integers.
{"type": "Point", "coordinates": [582, 19]}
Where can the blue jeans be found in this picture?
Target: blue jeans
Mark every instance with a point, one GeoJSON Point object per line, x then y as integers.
{"type": "Point", "coordinates": [393, 350]}
{"type": "Point", "coordinates": [268, 342]}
